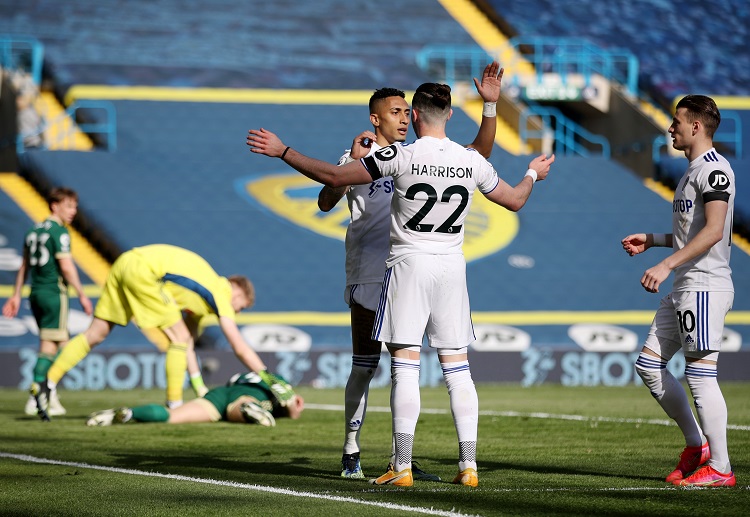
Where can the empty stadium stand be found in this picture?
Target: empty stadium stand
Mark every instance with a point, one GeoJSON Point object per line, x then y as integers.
{"type": "Point", "coordinates": [661, 33]}
{"type": "Point", "coordinates": [17, 200]}
{"type": "Point", "coordinates": [327, 44]}
{"type": "Point", "coordinates": [655, 32]}
{"type": "Point", "coordinates": [181, 173]}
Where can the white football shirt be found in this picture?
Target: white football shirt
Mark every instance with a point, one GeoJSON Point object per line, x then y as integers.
{"type": "Point", "coordinates": [434, 183]}
{"type": "Point", "coordinates": [708, 178]}
{"type": "Point", "coordinates": [367, 236]}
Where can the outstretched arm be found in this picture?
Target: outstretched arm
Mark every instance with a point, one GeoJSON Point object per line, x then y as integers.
{"type": "Point", "coordinates": [250, 358]}
{"type": "Point", "coordinates": [262, 141]}
{"type": "Point", "coordinates": [489, 90]}
{"type": "Point", "coordinates": [513, 198]}
{"type": "Point", "coordinates": [241, 349]}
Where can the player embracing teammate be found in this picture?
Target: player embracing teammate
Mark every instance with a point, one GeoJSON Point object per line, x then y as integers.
{"type": "Point", "coordinates": [424, 288]}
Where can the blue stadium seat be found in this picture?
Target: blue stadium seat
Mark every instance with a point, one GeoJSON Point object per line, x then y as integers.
{"type": "Point", "coordinates": [181, 170]}
{"type": "Point", "coordinates": [169, 43]}
{"type": "Point", "coordinates": [659, 33]}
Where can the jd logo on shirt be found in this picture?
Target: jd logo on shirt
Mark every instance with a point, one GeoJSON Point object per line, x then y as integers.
{"type": "Point", "coordinates": [386, 153]}
{"type": "Point", "coordinates": [718, 180]}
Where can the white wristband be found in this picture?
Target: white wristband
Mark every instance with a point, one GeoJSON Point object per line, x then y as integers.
{"type": "Point", "coordinates": [531, 173]}
{"type": "Point", "coordinates": [660, 239]}
{"type": "Point", "coordinates": [490, 109]}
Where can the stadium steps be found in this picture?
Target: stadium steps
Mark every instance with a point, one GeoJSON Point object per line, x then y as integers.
{"type": "Point", "coordinates": [486, 34]}
{"type": "Point", "coordinates": [170, 43]}
{"type": "Point", "coordinates": [505, 136]}
{"type": "Point", "coordinates": [721, 26]}
{"type": "Point", "coordinates": [490, 38]}
{"type": "Point", "coordinates": [61, 132]}
{"type": "Point", "coordinates": [188, 169]}
{"type": "Point", "coordinates": [29, 200]}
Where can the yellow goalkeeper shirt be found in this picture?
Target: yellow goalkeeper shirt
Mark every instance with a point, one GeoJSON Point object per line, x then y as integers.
{"type": "Point", "coordinates": [197, 289]}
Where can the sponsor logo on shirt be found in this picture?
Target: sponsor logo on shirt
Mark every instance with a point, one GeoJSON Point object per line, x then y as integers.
{"type": "Point", "coordinates": [386, 154]}
{"type": "Point", "coordinates": [376, 186]}
{"type": "Point", "coordinates": [682, 205]}
{"type": "Point", "coordinates": [718, 180]}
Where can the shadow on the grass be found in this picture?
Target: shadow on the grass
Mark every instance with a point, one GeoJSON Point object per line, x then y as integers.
{"type": "Point", "coordinates": [204, 464]}
{"type": "Point", "coordinates": [496, 467]}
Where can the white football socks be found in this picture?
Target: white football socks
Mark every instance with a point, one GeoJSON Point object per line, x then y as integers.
{"type": "Point", "coordinates": [465, 409]}
{"type": "Point", "coordinates": [405, 407]}
{"type": "Point", "coordinates": [355, 398]}
{"type": "Point", "coordinates": [670, 395]}
{"type": "Point", "coordinates": [712, 411]}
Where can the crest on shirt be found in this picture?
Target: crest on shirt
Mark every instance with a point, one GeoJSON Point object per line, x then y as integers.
{"type": "Point", "coordinates": [293, 197]}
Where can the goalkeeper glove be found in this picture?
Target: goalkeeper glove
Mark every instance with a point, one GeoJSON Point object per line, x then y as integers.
{"type": "Point", "coordinates": [280, 389]}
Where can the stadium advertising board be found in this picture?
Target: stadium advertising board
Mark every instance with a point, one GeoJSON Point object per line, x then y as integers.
{"type": "Point", "coordinates": [122, 370]}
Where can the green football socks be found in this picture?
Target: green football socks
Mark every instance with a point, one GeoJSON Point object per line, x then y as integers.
{"type": "Point", "coordinates": [150, 413]}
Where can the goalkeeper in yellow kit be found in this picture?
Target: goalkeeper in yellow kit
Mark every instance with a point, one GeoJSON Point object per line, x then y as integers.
{"type": "Point", "coordinates": [153, 285]}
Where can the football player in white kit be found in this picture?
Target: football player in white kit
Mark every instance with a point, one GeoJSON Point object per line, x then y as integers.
{"type": "Point", "coordinates": [424, 288]}
{"type": "Point", "coordinates": [691, 317]}
{"type": "Point", "coordinates": [367, 244]}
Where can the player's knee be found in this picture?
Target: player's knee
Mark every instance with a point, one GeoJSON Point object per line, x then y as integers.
{"type": "Point", "coordinates": [363, 373]}
{"type": "Point", "coordinates": [651, 370]}
{"type": "Point", "coordinates": [97, 332]}
{"type": "Point", "coordinates": [701, 369]}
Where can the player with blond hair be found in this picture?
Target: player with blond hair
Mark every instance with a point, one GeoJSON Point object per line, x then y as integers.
{"type": "Point", "coordinates": [153, 286]}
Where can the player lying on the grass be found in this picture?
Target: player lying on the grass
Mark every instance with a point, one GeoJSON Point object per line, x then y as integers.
{"type": "Point", "coordinates": [154, 286]}
{"type": "Point", "coordinates": [245, 399]}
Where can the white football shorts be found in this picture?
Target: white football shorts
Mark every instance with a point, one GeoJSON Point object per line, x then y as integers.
{"type": "Point", "coordinates": [692, 320]}
{"type": "Point", "coordinates": [425, 294]}
{"type": "Point", "coordinates": [366, 295]}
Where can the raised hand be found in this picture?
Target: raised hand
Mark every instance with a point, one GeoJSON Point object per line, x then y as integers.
{"type": "Point", "coordinates": [489, 87]}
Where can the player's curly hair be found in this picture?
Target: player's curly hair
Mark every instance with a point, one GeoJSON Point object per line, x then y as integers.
{"type": "Point", "coordinates": [433, 101]}
{"type": "Point", "coordinates": [245, 285]}
{"type": "Point", "coordinates": [703, 108]}
{"type": "Point", "coordinates": [58, 194]}
{"type": "Point", "coordinates": [384, 93]}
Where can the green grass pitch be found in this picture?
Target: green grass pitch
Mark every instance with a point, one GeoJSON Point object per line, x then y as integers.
{"type": "Point", "coordinates": [546, 450]}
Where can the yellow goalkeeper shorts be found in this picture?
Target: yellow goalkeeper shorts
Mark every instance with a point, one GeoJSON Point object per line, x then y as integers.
{"type": "Point", "coordinates": [133, 291]}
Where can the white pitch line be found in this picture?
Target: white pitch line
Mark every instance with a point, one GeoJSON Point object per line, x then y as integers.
{"type": "Point", "coordinates": [244, 486]}
{"type": "Point", "coordinates": [548, 416]}
{"type": "Point", "coordinates": [310, 495]}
